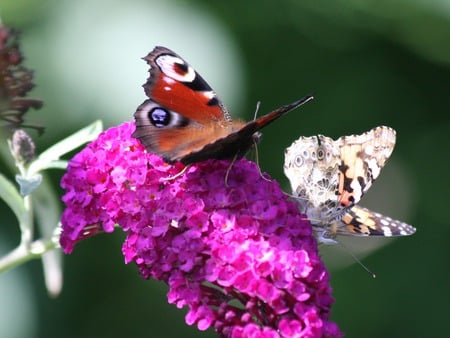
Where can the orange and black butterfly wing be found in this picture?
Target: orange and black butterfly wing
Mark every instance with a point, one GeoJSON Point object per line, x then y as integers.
{"type": "Point", "coordinates": [182, 109]}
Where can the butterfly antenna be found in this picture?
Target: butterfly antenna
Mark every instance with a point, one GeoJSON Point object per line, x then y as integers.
{"type": "Point", "coordinates": [170, 178]}
{"type": "Point", "coordinates": [257, 109]}
{"type": "Point", "coordinates": [357, 260]}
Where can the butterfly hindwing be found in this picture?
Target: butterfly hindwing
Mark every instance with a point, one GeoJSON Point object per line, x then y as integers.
{"type": "Point", "coordinates": [359, 221]}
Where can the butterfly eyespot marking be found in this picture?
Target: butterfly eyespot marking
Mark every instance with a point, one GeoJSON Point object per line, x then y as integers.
{"type": "Point", "coordinates": [298, 161]}
{"type": "Point", "coordinates": [175, 68]}
{"type": "Point", "coordinates": [159, 117]}
{"type": "Point", "coordinates": [181, 68]}
{"type": "Point", "coordinates": [320, 154]}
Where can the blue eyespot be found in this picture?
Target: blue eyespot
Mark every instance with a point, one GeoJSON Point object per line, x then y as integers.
{"type": "Point", "coordinates": [159, 117]}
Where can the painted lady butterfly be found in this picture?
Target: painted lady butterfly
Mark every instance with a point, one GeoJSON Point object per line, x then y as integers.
{"type": "Point", "coordinates": [328, 179]}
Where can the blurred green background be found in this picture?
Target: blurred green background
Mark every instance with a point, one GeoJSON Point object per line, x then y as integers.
{"type": "Point", "coordinates": [368, 63]}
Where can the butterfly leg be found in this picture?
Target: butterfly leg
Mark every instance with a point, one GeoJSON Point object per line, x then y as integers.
{"type": "Point", "coordinates": [235, 157]}
{"type": "Point", "coordinates": [255, 146]}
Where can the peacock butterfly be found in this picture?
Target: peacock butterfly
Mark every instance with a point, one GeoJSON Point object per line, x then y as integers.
{"type": "Point", "coordinates": [184, 120]}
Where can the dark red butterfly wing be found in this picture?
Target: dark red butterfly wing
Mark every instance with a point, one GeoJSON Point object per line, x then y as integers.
{"type": "Point", "coordinates": [174, 84]}
{"type": "Point", "coordinates": [185, 121]}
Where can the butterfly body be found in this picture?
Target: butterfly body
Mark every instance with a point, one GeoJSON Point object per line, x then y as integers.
{"type": "Point", "coordinates": [329, 177]}
{"type": "Point", "coordinates": [184, 120]}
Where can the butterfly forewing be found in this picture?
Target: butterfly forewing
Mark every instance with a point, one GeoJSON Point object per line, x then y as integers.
{"type": "Point", "coordinates": [175, 84]}
{"type": "Point", "coordinates": [362, 158]}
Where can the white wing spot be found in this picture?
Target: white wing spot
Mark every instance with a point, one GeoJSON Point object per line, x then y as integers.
{"type": "Point", "coordinates": [387, 231]}
{"type": "Point", "coordinates": [384, 221]}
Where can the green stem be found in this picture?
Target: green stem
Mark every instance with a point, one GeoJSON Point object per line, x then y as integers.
{"type": "Point", "coordinates": [26, 224]}
{"type": "Point", "coordinates": [23, 254]}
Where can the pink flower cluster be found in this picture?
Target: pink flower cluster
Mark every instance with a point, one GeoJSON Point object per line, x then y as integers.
{"type": "Point", "coordinates": [239, 255]}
